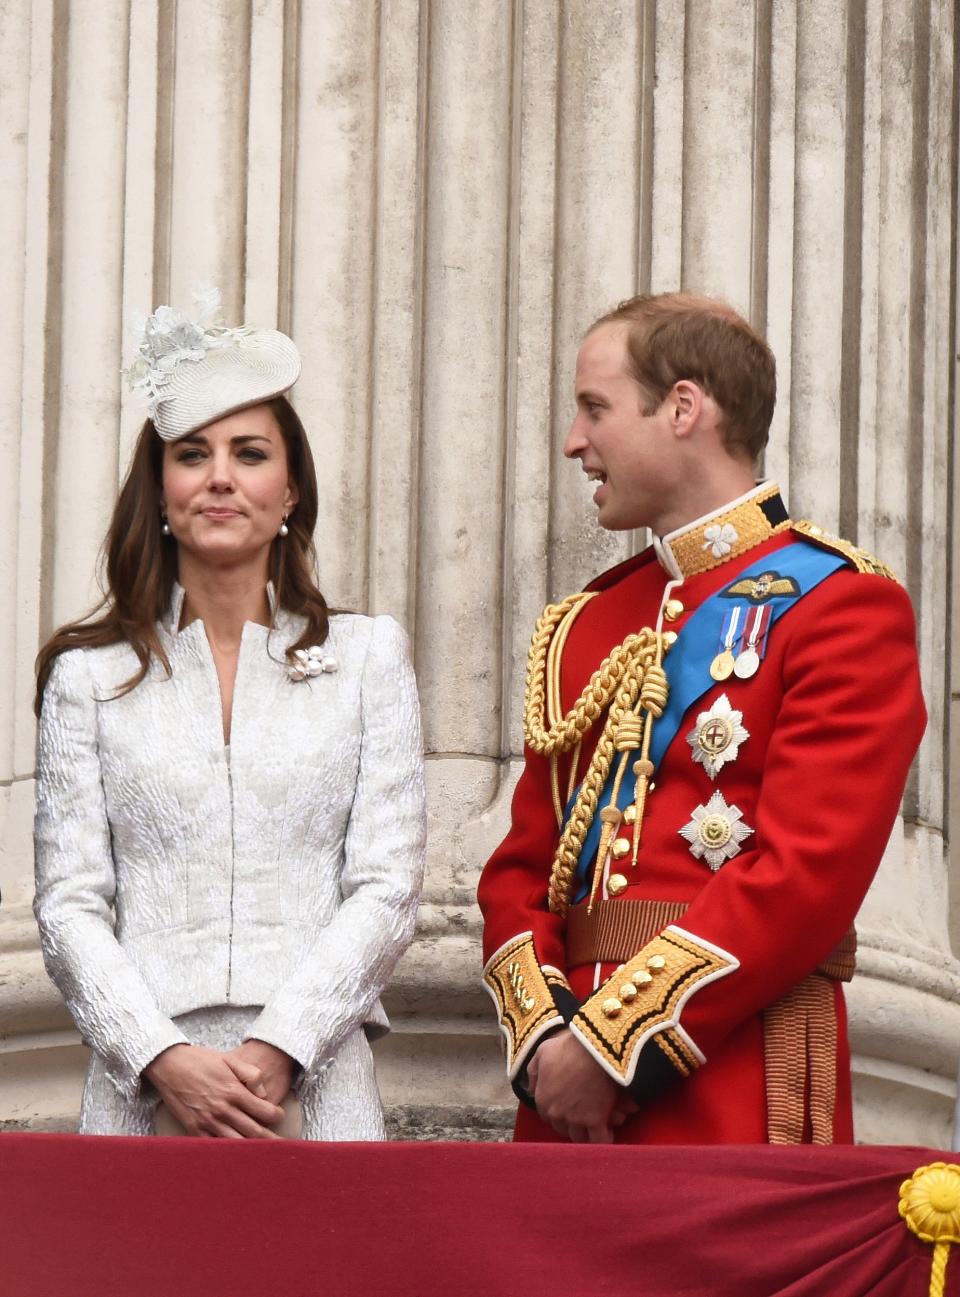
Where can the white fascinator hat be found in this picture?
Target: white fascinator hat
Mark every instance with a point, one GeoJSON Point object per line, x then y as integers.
{"type": "Point", "coordinates": [192, 371]}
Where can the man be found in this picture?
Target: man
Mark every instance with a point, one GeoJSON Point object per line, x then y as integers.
{"type": "Point", "coordinates": [718, 733]}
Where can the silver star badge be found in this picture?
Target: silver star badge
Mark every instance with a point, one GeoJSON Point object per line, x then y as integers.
{"type": "Point", "coordinates": [715, 831]}
{"type": "Point", "coordinates": [717, 735]}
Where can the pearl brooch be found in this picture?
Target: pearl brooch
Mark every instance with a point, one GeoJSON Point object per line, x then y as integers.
{"type": "Point", "coordinates": [310, 662]}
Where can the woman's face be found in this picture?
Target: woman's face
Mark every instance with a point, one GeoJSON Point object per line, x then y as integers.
{"type": "Point", "coordinates": [226, 488]}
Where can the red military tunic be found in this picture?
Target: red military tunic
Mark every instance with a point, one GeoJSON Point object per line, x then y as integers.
{"type": "Point", "coordinates": [833, 717]}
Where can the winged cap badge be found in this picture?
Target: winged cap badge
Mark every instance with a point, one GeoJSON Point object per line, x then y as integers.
{"type": "Point", "coordinates": [758, 589]}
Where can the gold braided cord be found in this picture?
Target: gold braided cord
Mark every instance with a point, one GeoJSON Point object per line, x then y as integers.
{"type": "Point", "coordinates": [555, 654]}
{"type": "Point", "coordinates": [938, 1270]}
{"type": "Point", "coordinates": [555, 699]}
{"type": "Point", "coordinates": [565, 733]}
{"type": "Point", "coordinates": [574, 766]}
{"type": "Point", "coordinates": [584, 808]}
{"type": "Point", "coordinates": [629, 679]}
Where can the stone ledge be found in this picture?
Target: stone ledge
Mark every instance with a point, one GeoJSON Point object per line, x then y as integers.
{"type": "Point", "coordinates": [467, 1123]}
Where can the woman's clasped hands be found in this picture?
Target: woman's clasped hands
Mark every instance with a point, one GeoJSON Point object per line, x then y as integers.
{"type": "Point", "coordinates": [231, 1095]}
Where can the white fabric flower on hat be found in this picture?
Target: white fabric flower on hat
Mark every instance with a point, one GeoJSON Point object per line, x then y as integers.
{"type": "Point", "coordinates": [169, 336]}
{"type": "Point", "coordinates": [720, 540]}
{"type": "Point", "coordinates": [715, 831]}
{"type": "Point", "coordinates": [310, 662]}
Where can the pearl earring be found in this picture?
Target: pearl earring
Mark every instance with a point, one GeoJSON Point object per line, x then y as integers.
{"type": "Point", "coordinates": [164, 525]}
{"type": "Point", "coordinates": [284, 529]}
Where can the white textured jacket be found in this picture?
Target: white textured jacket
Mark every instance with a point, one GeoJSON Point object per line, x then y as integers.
{"type": "Point", "coordinates": [170, 880]}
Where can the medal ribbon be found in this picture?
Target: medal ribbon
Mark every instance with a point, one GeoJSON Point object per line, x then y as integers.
{"type": "Point", "coordinates": [688, 666]}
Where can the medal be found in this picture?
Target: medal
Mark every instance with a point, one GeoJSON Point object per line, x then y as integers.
{"type": "Point", "coordinates": [715, 831]}
{"type": "Point", "coordinates": [748, 659]}
{"type": "Point", "coordinates": [721, 668]}
{"type": "Point", "coordinates": [717, 735]}
{"type": "Point", "coordinates": [747, 664]}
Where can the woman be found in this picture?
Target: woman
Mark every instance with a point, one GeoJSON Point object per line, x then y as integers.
{"type": "Point", "coordinates": [230, 808]}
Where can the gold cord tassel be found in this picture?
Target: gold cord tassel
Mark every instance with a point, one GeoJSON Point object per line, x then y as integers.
{"type": "Point", "coordinates": [653, 700]}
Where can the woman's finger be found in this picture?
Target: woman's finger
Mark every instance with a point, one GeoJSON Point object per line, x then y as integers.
{"type": "Point", "coordinates": [240, 1126]}
{"type": "Point", "coordinates": [263, 1112]}
{"type": "Point", "coordinates": [247, 1073]}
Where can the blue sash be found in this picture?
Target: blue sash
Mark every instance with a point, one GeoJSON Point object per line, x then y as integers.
{"type": "Point", "coordinates": [688, 663]}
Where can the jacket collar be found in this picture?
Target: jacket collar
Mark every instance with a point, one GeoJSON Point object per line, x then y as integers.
{"type": "Point", "coordinates": [283, 622]}
{"type": "Point", "coordinates": [724, 534]}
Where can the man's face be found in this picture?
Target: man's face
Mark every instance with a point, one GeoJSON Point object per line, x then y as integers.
{"type": "Point", "coordinates": [634, 456]}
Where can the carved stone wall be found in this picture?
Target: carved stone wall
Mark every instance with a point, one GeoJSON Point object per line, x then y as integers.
{"type": "Point", "coordinates": [435, 199]}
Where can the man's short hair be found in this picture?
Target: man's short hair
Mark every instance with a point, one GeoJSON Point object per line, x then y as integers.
{"type": "Point", "coordinates": [676, 336]}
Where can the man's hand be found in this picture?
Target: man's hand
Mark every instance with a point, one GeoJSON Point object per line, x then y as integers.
{"type": "Point", "coordinates": [212, 1096]}
{"type": "Point", "coordinates": [572, 1092]}
{"type": "Point", "coordinates": [275, 1068]}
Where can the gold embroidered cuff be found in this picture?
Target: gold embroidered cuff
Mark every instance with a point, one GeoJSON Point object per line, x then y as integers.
{"type": "Point", "coordinates": [522, 992]}
{"type": "Point", "coordinates": [646, 996]}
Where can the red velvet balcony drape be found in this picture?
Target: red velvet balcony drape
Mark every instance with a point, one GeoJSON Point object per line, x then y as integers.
{"type": "Point", "coordinates": [96, 1217]}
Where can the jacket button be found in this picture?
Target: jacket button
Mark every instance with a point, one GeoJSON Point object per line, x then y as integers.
{"type": "Point", "coordinates": [672, 609]}
{"type": "Point", "coordinates": [620, 848]}
{"type": "Point", "coordinates": [616, 883]}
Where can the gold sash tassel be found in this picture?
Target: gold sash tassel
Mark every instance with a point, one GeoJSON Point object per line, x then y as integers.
{"type": "Point", "coordinates": [800, 1050]}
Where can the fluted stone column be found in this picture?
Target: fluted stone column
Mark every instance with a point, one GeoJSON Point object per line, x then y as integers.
{"type": "Point", "coordinates": [436, 199]}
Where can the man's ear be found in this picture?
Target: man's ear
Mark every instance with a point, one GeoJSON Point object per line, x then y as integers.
{"type": "Point", "coordinates": [685, 404]}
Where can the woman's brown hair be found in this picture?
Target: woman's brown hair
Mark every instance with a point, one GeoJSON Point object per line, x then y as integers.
{"type": "Point", "coordinates": [141, 563]}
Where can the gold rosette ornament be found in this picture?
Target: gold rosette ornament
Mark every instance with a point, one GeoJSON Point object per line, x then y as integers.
{"type": "Point", "coordinates": [930, 1206]}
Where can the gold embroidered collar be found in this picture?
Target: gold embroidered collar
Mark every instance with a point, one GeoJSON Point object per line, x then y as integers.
{"type": "Point", "coordinates": [724, 534]}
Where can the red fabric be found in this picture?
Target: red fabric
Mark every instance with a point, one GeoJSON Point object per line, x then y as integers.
{"type": "Point", "coordinates": [99, 1217]}
{"type": "Point", "coordinates": [834, 715]}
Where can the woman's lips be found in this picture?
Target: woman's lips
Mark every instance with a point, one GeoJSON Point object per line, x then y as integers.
{"type": "Point", "coordinates": [220, 515]}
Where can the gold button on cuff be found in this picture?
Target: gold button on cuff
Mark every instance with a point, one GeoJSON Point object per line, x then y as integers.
{"type": "Point", "coordinates": [627, 992]}
{"type": "Point", "coordinates": [642, 978]}
{"type": "Point", "coordinates": [610, 1008]}
{"type": "Point", "coordinates": [656, 963]}
{"type": "Point", "coordinates": [616, 883]}
{"type": "Point", "coordinates": [672, 609]}
{"type": "Point", "coordinates": [620, 848]}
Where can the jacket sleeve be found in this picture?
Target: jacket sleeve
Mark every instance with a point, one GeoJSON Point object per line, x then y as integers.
{"type": "Point", "coordinates": [348, 965]}
{"type": "Point", "coordinates": [523, 941]}
{"type": "Point", "coordinates": [75, 885]}
{"type": "Point", "coordinates": [850, 720]}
